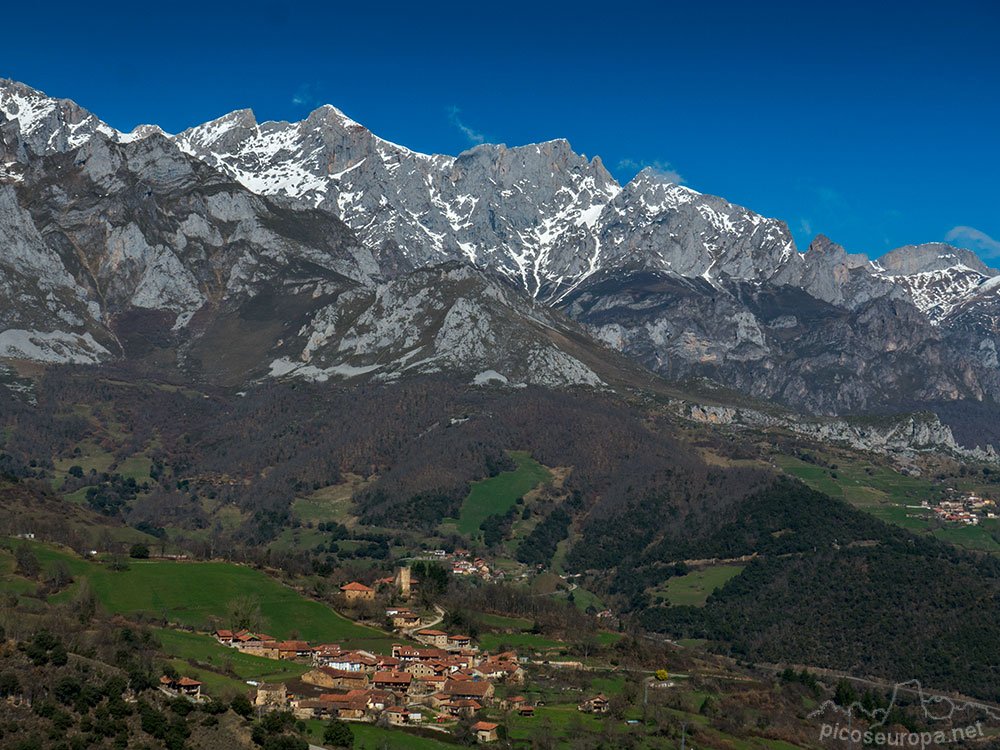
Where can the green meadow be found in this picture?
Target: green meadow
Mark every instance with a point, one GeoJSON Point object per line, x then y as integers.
{"type": "Point", "coordinates": [207, 650]}
{"type": "Point", "coordinates": [885, 494]}
{"type": "Point", "coordinates": [497, 494]}
{"type": "Point", "coordinates": [198, 595]}
{"type": "Point", "coordinates": [695, 587]}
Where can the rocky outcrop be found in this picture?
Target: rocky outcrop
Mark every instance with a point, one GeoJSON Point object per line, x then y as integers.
{"type": "Point", "coordinates": [449, 318]}
{"type": "Point", "coordinates": [904, 434]}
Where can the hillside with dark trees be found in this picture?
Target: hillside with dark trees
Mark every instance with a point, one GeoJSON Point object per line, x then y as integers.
{"type": "Point", "coordinates": [827, 584]}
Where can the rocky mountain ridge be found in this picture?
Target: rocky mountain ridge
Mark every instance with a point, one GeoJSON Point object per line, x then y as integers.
{"type": "Point", "coordinates": [319, 247]}
{"type": "Point", "coordinates": [902, 436]}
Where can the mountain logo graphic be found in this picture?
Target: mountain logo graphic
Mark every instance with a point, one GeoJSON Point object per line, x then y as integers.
{"type": "Point", "coordinates": [935, 707]}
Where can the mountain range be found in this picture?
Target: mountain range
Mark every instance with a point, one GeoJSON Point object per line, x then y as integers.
{"type": "Point", "coordinates": [239, 250]}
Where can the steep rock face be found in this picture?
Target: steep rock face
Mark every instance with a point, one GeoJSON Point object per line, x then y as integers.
{"type": "Point", "coordinates": [35, 125]}
{"type": "Point", "coordinates": [656, 225]}
{"type": "Point", "coordinates": [936, 277]}
{"type": "Point", "coordinates": [976, 319]}
{"type": "Point", "coordinates": [933, 256]}
{"type": "Point", "coordinates": [830, 273]}
{"type": "Point", "coordinates": [781, 343]}
{"type": "Point", "coordinates": [97, 228]}
{"type": "Point", "coordinates": [444, 318]}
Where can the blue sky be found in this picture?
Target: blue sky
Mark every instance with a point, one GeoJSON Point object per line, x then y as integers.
{"type": "Point", "coordinates": [874, 123]}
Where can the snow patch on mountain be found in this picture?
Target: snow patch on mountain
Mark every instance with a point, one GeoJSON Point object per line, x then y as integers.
{"type": "Point", "coordinates": [938, 293]}
{"type": "Point", "coordinates": [51, 346]}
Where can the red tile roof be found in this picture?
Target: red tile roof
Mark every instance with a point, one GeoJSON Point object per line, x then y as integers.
{"type": "Point", "coordinates": [467, 687]}
{"type": "Point", "coordinates": [398, 678]}
{"type": "Point", "coordinates": [355, 586]}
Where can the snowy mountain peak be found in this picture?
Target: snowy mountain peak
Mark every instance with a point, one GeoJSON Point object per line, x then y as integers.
{"type": "Point", "coordinates": [933, 256]}
{"type": "Point", "coordinates": [937, 278]}
{"type": "Point", "coordinates": [46, 125]}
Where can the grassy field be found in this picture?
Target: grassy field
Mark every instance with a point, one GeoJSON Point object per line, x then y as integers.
{"type": "Point", "coordinates": [497, 494]}
{"type": "Point", "coordinates": [9, 581]}
{"type": "Point", "coordinates": [524, 641]}
{"type": "Point", "coordinates": [204, 648]}
{"type": "Point", "coordinates": [91, 456]}
{"type": "Point", "coordinates": [135, 467]}
{"type": "Point", "coordinates": [367, 736]}
{"type": "Point", "coordinates": [331, 503]}
{"type": "Point", "coordinates": [198, 595]}
{"type": "Point", "coordinates": [582, 598]}
{"type": "Point", "coordinates": [606, 637]}
{"type": "Point", "coordinates": [561, 721]}
{"type": "Point", "coordinates": [885, 494]}
{"type": "Point", "coordinates": [499, 621]}
{"type": "Point", "coordinates": [862, 483]}
{"type": "Point", "coordinates": [213, 683]}
{"type": "Point", "coordinates": [695, 588]}
{"type": "Point", "coordinates": [299, 539]}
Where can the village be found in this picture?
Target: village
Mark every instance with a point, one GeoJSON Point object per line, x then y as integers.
{"type": "Point", "coordinates": [445, 679]}
{"type": "Point", "coordinates": [463, 563]}
{"type": "Point", "coordinates": [968, 510]}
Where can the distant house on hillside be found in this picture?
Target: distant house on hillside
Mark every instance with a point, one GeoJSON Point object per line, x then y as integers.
{"type": "Point", "coordinates": [357, 592]}
{"type": "Point", "coordinates": [267, 649]}
{"type": "Point", "coordinates": [464, 707]}
{"type": "Point", "coordinates": [353, 705]}
{"type": "Point", "coordinates": [485, 731]}
{"type": "Point", "coordinates": [514, 702]}
{"type": "Point", "coordinates": [310, 708]}
{"type": "Point", "coordinates": [183, 686]}
{"type": "Point", "coordinates": [272, 695]}
{"type": "Point", "coordinates": [437, 638]}
{"type": "Point", "coordinates": [294, 650]}
{"type": "Point", "coordinates": [353, 661]}
{"type": "Point", "coordinates": [596, 705]}
{"type": "Point", "coordinates": [396, 715]}
{"type": "Point", "coordinates": [225, 637]}
{"type": "Point", "coordinates": [405, 620]}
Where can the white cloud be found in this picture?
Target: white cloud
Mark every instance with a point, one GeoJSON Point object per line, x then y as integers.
{"type": "Point", "coordinates": [661, 168]}
{"type": "Point", "coordinates": [306, 96]}
{"type": "Point", "coordinates": [806, 226]}
{"type": "Point", "coordinates": [973, 239]}
{"type": "Point", "coordinates": [473, 135]}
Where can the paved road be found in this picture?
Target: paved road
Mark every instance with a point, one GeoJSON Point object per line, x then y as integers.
{"type": "Point", "coordinates": [428, 626]}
